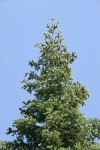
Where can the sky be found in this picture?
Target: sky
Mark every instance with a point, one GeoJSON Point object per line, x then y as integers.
{"type": "Point", "coordinates": [22, 23]}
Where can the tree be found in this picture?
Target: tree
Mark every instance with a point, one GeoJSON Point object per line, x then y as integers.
{"type": "Point", "coordinates": [52, 119]}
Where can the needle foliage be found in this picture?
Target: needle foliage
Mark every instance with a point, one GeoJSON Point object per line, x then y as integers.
{"type": "Point", "coordinates": [52, 119]}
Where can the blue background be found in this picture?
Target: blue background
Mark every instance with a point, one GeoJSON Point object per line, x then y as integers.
{"type": "Point", "coordinates": [22, 23]}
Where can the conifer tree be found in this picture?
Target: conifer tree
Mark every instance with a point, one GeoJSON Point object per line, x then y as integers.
{"type": "Point", "coordinates": [52, 119]}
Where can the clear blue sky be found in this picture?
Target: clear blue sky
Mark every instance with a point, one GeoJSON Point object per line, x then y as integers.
{"type": "Point", "coordinates": [22, 23]}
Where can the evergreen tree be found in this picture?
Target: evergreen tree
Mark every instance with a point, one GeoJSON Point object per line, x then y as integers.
{"type": "Point", "coordinates": [52, 119]}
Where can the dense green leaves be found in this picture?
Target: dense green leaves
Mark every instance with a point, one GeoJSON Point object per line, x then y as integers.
{"type": "Point", "coordinates": [52, 119]}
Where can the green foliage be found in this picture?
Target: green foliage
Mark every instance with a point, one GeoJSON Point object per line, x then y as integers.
{"type": "Point", "coordinates": [4, 145]}
{"type": "Point", "coordinates": [52, 119]}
